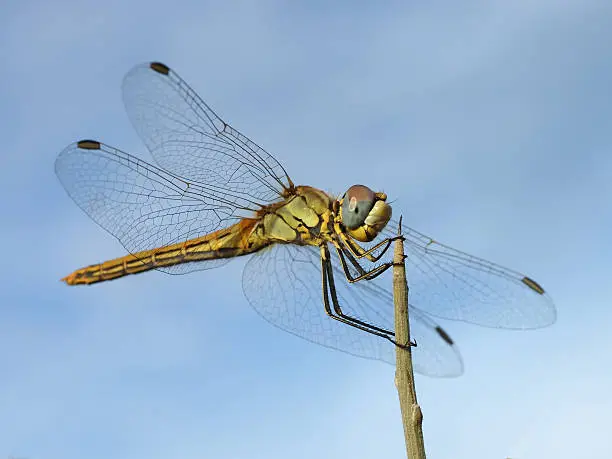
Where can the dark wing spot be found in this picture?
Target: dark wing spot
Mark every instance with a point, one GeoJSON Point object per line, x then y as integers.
{"type": "Point", "coordinates": [88, 144]}
{"type": "Point", "coordinates": [445, 336]}
{"type": "Point", "coordinates": [160, 68]}
{"type": "Point", "coordinates": [533, 285]}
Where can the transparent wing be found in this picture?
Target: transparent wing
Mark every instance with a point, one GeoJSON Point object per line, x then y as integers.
{"type": "Point", "coordinates": [283, 284]}
{"type": "Point", "coordinates": [450, 284]}
{"type": "Point", "coordinates": [187, 138]}
{"type": "Point", "coordinates": [143, 206]}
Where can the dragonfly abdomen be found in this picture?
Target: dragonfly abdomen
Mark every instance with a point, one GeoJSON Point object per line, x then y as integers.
{"type": "Point", "coordinates": [226, 243]}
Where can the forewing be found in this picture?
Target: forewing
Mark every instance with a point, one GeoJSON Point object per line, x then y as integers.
{"type": "Point", "coordinates": [450, 284]}
{"type": "Point", "coordinates": [143, 206]}
{"type": "Point", "coordinates": [283, 284]}
{"type": "Point", "coordinates": [187, 138]}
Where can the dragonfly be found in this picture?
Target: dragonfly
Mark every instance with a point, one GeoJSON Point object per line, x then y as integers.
{"type": "Point", "coordinates": [316, 259]}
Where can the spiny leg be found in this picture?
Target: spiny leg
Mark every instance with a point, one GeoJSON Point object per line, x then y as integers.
{"type": "Point", "coordinates": [329, 287]}
{"type": "Point", "coordinates": [352, 259]}
{"type": "Point", "coordinates": [363, 274]}
{"type": "Point", "coordinates": [360, 252]}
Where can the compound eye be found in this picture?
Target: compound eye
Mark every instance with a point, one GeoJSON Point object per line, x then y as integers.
{"type": "Point", "coordinates": [357, 204]}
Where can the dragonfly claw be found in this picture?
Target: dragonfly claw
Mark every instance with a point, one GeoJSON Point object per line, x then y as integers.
{"type": "Point", "coordinates": [411, 343]}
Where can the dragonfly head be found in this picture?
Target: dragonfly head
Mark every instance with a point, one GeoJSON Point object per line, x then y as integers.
{"type": "Point", "coordinates": [363, 212]}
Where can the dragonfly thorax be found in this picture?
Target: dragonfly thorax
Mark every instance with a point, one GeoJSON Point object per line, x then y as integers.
{"type": "Point", "coordinates": [301, 218]}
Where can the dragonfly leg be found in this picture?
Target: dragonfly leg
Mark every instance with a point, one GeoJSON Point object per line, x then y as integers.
{"type": "Point", "coordinates": [360, 252]}
{"type": "Point", "coordinates": [329, 291]}
{"type": "Point", "coordinates": [329, 288]}
{"type": "Point", "coordinates": [363, 274]}
{"type": "Point", "coordinates": [411, 343]}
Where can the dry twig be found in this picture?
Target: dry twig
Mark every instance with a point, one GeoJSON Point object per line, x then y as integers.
{"type": "Point", "coordinates": [412, 417]}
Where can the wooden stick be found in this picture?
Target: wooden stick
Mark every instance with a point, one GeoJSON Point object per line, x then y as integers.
{"type": "Point", "coordinates": [412, 417]}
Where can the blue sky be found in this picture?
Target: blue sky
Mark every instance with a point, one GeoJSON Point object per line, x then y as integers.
{"type": "Point", "coordinates": [489, 125]}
